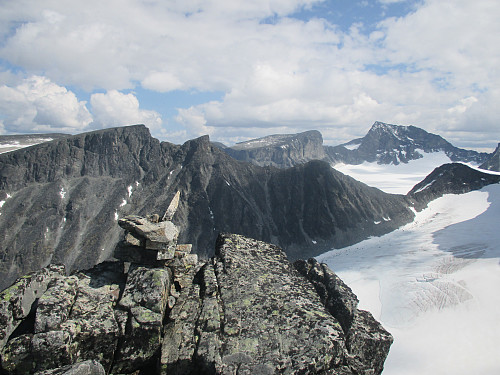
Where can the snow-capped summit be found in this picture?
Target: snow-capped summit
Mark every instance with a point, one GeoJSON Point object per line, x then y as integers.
{"type": "Point", "coordinates": [395, 144]}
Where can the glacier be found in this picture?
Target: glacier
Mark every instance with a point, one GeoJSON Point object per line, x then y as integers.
{"type": "Point", "coordinates": [395, 179]}
{"type": "Point", "coordinates": [434, 285]}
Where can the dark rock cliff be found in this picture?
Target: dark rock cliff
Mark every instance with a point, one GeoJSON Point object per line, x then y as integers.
{"type": "Point", "coordinates": [247, 311]}
{"type": "Point", "coordinates": [453, 178]}
{"type": "Point", "coordinates": [60, 200]}
{"type": "Point", "coordinates": [493, 163]}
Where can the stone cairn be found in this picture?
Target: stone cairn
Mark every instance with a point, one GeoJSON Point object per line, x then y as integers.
{"type": "Point", "coordinates": [151, 239]}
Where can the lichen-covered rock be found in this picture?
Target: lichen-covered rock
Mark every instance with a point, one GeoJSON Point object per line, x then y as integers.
{"type": "Point", "coordinates": [55, 304]}
{"type": "Point", "coordinates": [247, 311]}
{"type": "Point", "coordinates": [17, 300]}
{"type": "Point", "coordinates": [147, 287]}
{"type": "Point", "coordinates": [179, 341]}
{"type": "Point", "coordinates": [90, 367]}
{"type": "Point", "coordinates": [338, 298]}
{"type": "Point", "coordinates": [145, 301]}
{"type": "Point", "coordinates": [92, 314]}
{"type": "Point", "coordinates": [17, 357]}
{"type": "Point", "coordinates": [368, 342]}
{"type": "Point", "coordinates": [273, 319]}
{"type": "Point", "coordinates": [53, 349]}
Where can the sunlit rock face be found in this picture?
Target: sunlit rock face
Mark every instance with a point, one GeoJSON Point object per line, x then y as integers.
{"type": "Point", "coordinates": [281, 150]}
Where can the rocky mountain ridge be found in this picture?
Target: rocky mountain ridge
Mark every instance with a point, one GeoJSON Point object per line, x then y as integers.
{"type": "Point", "coordinates": [60, 200]}
{"type": "Point", "coordinates": [493, 162]}
{"type": "Point", "coordinates": [280, 150]}
{"type": "Point", "coordinates": [247, 310]}
{"type": "Point", "coordinates": [394, 144]}
{"type": "Point", "coordinates": [383, 144]}
{"type": "Point", "coordinates": [452, 178]}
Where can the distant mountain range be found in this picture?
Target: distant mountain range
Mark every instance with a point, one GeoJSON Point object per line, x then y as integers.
{"type": "Point", "coordinates": [60, 200]}
{"type": "Point", "coordinates": [15, 142]}
{"type": "Point", "coordinates": [383, 144]}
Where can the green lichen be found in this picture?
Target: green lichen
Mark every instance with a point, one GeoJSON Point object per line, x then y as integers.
{"type": "Point", "coordinates": [9, 293]}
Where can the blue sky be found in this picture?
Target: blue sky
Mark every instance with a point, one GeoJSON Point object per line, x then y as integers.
{"type": "Point", "coordinates": [239, 70]}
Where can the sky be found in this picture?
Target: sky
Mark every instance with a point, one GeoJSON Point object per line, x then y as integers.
{"type": "Point", "coordinates": [240, 69]}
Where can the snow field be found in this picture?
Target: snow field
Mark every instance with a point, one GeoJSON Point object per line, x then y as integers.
{"type": "Point", "coordinates": [434, 285]}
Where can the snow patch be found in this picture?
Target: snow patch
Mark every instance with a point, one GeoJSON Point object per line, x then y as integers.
{"type": "Point", "coordinates": [124, 202]}
{"type": "Point", "coordinates": [129, 189]}
{"type": "Point", "coordinates": [352, 147]}
{"type": "Point", "coordinates": [227, 183]}
{"type": "Point", "coordinates": [425, 187]}
{"type": "Point", "coordinates": [5, 200]}
{"type": "Point", "coordinates": [314, 242]}
{"type": "Point", "coordinates": [62, 193]}
{"type": "Point", "coordinates": [116, 215]}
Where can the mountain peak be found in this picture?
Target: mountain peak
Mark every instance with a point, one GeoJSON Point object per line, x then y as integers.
{"type": "Point", "coordinates": [493, 163]}
{"type": "Point", "coordinates": [393, 144]}
{"type": "Point", "coordinates": [280, 150]}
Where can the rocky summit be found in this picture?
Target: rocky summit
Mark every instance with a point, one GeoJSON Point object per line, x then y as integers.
{"type": "Point", "coordinates": [247, 310]}
{"type": "Point", "coordinates": [395, 144]}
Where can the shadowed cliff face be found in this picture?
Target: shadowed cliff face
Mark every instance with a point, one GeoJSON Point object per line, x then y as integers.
{"type": "Point", "coordinates": [61, 199]}
{"type": "Point", "coordinates": [493, 163]}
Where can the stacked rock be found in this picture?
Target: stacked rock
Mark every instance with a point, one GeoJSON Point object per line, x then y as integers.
{"type": "Point", "coordinates": [152, 234]}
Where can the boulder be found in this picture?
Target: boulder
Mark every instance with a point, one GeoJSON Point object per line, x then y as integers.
{"type": "Point", "coordinates": [273, 319]}
{"type": "Point", "coordinates": [16, 301]}
{"type": "Point", "coordinates": [55, 304]}
{"type": "Point", "coordinates": [90, 367]}
{"type": "Point", "coordinates": [369, 343]}
{"type": "Point", "coordinates": [145, 301]}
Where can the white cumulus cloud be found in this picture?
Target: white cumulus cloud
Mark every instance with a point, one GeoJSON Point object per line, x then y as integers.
{"type": "Point", "coordinates": [37, 104]}
{"type": "Point", "coordinates": [114, 108]}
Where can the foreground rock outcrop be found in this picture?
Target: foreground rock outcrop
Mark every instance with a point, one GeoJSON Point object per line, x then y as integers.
{"type": "Point", "coordinates": [247, 310]}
